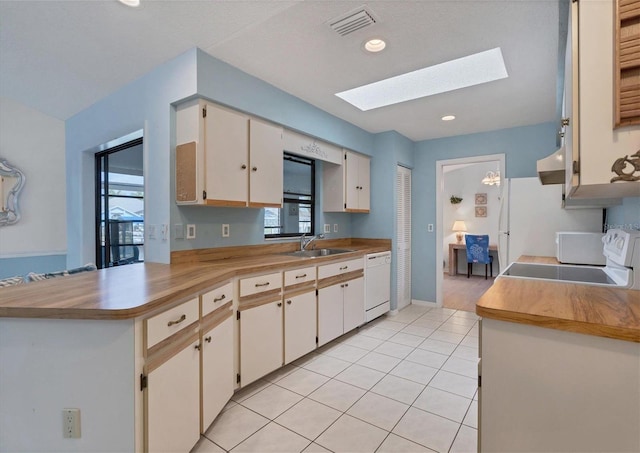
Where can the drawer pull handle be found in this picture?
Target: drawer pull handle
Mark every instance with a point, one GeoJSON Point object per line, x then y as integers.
{"type": "Point", "coordinates": [172, 323]}
{"type": "Point", "coordinates": [279, 304]}
{"type": "Point", "coordinates": [218, 299]}
{"type": "Point", "coordinates": [208, 339]}
{"type": "Point", "coordinates": [301, 276]}
{"type": "Point", "coordinates": [197, 346]}
{"type": "Point", "coordinates": [262, 284]}
{"type": "Point", "coordinates": [254, 168]}
{"type": "Point", "coordinates": [344, 267]}
{"type": "Point", "coordinates": [243, 166]}
{"type": "Point", "coordinates": [289, 302]}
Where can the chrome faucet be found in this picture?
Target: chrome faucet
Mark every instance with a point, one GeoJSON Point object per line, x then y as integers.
{"type": "Point", "coordinates": [304, 241]}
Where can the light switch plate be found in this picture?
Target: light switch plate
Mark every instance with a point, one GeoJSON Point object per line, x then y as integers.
{"type": "Point", "coordinates": [191, 231]}
{"type": "Point", "coordinates": [327, 228]}
{"type": "Point", "coordinates": [430, 227]}
{"type": "Point", "coordinates": [335, 227]}
{"type": "Point", "coordinates": [225, 230]}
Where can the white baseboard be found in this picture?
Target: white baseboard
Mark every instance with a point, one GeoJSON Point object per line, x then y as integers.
{"type": "Point", "coordinates": [424, 303]}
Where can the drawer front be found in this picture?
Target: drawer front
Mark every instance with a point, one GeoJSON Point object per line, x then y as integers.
{"type": "Point", "coordinates": [329, 270]}
{"type": "Point", "coordinates": [297, 276]}
{"type": "Point", "coordinates": [171, 321]}
{"type": "Point", "coordinates": [216, 298]}
{"type": "Point", "coordinates": [262, 283]}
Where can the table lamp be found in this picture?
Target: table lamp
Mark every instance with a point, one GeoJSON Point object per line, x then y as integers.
{"type": "Point", "coordinates": [459, 227]}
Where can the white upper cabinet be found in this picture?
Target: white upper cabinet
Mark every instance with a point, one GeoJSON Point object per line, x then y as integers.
{"type": "Point", "coordinates": [226, 158]}
{"type": "Point", "coordinates": [595, 146]}
{"type": "Point", "coordinates": [346, 187]}
{"type": "Point", "coordinates": [266, 173]}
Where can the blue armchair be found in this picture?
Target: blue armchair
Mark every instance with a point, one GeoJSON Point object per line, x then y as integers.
{"type": "Point", "coordinates": [478, 252]}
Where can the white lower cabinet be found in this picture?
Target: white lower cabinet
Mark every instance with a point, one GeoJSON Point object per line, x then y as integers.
{"type": "Point", "coordinates": [173, 401]}
{"type": "Point", "coordinates": [217, 370]}
{"type": "Point", "coordinates": [261, 337]}
{"type": "Point", "coordinates": [299, 325]}
{"type": "Point", "coordinates": [354, 312]}
{"type": "Point", "coordinates": [330, 313]}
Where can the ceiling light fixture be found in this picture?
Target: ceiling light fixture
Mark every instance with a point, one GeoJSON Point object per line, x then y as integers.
{"type": "Point", "coordinates": [452, 75]}
{"type": "Point", "coordinates": [375, 45]}
{"type": "Point", "coordinates": [131, 3]}
{"type": "Point", "coordinates": [448, 118]}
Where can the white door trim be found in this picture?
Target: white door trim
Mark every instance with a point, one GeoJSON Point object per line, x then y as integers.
{"type": "Point", "coordinates": [440, 196]}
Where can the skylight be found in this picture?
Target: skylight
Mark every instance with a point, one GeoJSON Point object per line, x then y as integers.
{"type": "Point", "coordinates": [452, 75]}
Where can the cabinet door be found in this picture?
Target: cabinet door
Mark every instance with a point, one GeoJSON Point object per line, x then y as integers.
{"type": "Point", "coordinates": [266, 175]}
{"type": "Point", "coordinates": [353, 304]}
{"type": "Point", "coordinates": [217, 371]}
{"type": "Point", "coordinates": [330, 316]}
{"type": "Point", "coordinates": [227, 157]}
{"type": "Point", "coordinates": [352, 184]}
{"type": "Point", "coordinates": [260, 341]}
{"type": "Point", "coordinates": [364, 182]}
{"type": "Point", "coordinates": [357, 182]}
{"type": "Point", "coordinates": [299, 325]}
{"type": "Point", "coordinates": [173, 402]}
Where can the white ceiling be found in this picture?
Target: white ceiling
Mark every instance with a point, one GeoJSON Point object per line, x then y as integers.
{"type": "Point", "coordinates": [62, 56]}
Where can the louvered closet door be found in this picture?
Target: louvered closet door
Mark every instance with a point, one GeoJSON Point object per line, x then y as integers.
{"type": "Point", "coordinates": [403, 239]}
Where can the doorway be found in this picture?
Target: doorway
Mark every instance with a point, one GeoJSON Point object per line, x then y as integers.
{"type": "Point", "coordinates": [119, 201]}
{"type": "Point", "coordinates": [403, 237]}
{"type": "Point", "coordinates": [479, 210]}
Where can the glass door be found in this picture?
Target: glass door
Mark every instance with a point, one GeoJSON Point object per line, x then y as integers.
{"type": "Point", "coordinates": [120, 205]}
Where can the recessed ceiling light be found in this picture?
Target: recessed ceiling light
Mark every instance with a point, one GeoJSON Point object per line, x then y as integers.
{"type": "Point", "coordinates": [131, 3]}
{"type": "Point", "coordinates": [452, 75]}
{"type": "Point", "coordinates": [448, 118]}
{"type": "Point", "coordinates": [375, 45]}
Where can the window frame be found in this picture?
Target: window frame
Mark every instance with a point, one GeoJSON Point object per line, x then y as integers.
{"type": "Point", "coordinates": [286, 198]}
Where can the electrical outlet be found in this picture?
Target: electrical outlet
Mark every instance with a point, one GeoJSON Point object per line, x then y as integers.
{"type": "Point", "coordinates": [179, 231]}
{"type": "Point", "coordinates": [430, 227]}
{"type": "Point", "coordinates": [71, 423]}
{"type": "Point", "coordinates": [335, 227]}
{"type": "Point", "coordinates": [191, 231]}
{"type": "Point", "coordinates": [152, 231]}
{"type": "Point", "coordinates": [327, 228]}
{"type": "Point", "coordinates": [164, 231]}
{"type": "Point", "coordinates": [225, 230]}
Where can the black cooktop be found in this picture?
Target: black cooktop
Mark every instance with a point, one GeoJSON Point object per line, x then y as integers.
{"type": "Point", "coordinates": [578, 274]}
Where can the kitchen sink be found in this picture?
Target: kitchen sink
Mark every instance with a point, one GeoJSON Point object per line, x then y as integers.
{"type": "Point", "coordinates": [317, 252]}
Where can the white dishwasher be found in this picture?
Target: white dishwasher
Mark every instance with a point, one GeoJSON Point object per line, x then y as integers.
{"type": "Point", "coordinates": [377, 278]}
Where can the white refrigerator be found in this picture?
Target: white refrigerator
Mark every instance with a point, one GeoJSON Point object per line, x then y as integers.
{"type": "Point", "coordinates": [530, 216]}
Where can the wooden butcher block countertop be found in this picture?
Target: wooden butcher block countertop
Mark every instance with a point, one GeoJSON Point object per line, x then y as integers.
{"type": "Point", "coordinates": [135, 290]}
{"type": "Point", "coordinates": [587, 309]}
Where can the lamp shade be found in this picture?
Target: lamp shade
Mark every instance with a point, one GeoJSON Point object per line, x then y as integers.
{"type": "Point", "coordinates": [459, 225]}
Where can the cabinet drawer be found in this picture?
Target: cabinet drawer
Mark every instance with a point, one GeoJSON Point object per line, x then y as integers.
{"type": "Point", "coordinates": [297, 276]}
{"type": "Point", "coordinates": [260, 284]}
{"type": "Point", "coordinates": [329, 270]}
{"type": "Point", "coordinates": [216, 298]}
{"type": "Point", "coordinates": [171, 321]}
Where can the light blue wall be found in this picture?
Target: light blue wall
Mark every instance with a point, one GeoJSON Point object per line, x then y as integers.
{"type": "Point", "coordinates": [11, 267]}
{"type": "Point", "coordinates": [626, 216]}
{"type": "Point", "coordinates": [522, 146]}
{"type": "Point", "coordinates": [143, 104]}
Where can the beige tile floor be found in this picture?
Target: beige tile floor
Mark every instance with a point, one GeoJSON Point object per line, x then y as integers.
{"type": "Point", "coordinates": [404, 383]}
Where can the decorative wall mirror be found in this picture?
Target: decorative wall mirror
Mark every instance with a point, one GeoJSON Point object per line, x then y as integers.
{"type": "Point", "coordinates": [11, 183]}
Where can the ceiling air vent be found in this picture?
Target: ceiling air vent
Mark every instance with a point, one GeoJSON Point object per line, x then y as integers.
{"type": "Point", "coordinates": [352, 21]}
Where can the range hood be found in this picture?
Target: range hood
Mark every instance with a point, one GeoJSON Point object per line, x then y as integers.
{"type": "Point", "coordinates": [551, 169]}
